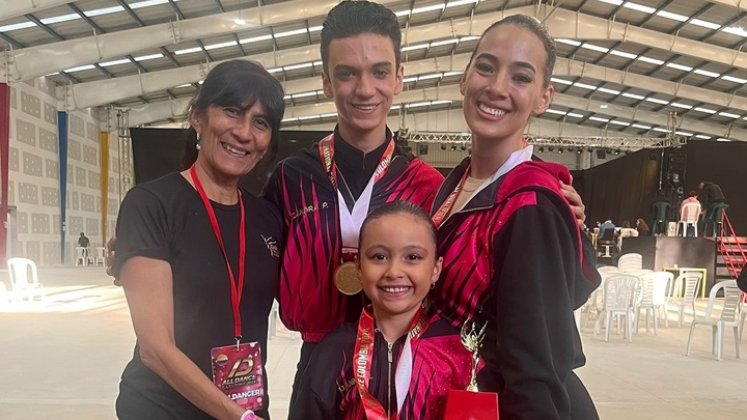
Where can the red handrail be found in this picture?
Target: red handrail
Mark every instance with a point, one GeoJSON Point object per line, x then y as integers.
{"type": "Point", "coordinates": [733, 265]}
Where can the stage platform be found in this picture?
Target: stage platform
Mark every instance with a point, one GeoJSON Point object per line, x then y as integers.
{"type": "Point", "coordinates": [662, 252]}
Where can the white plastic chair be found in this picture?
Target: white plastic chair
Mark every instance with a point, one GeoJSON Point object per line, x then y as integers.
{"type": "Point", "coordinates": [630, 262]}
{"type": "Point", "coordinates": [653, 297]}
{"type": "Point", "coordinates": [24, 279]}
{"type": "Point", "coordinates": [689, 215]}
{"type": "Point", "coordinates": [100, 256]}
{"type": "Point", "coordinates": [729, 318]}
{"type": "Point", "coordinates": [80, 256]}
{"type": "Point", "coordinates": [691, 281]}
{"type": "Point", "coordinates": [619, 295]}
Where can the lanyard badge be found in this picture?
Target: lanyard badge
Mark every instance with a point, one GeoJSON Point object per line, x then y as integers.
{"type": "Point", "coordinates": [237, 368]}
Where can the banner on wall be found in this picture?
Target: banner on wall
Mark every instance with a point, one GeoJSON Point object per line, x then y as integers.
{"type": "Point", "coordinates": [62, 151]}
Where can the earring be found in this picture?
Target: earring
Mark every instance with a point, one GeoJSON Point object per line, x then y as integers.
{"type": "Point", "coordinates": [433, 285]}
{"type": "Point", "coordinates": [197, 146]}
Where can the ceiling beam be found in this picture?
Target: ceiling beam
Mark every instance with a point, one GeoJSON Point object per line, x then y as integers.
{"type": "Point", "coordinates": [14, 8]}
{"type": "Point", "coordinates": [159, 111]}
{"type": "Point", "coordinates": [738, 4]}
{"type": "Point", "coordinates": [32, 62]}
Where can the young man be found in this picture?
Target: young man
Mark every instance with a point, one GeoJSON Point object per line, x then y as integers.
{"type": "Point", "coordinates": [326, 191]}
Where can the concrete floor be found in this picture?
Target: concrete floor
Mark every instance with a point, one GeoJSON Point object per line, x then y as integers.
{"type": "Point", "coordinates": [63, 361]}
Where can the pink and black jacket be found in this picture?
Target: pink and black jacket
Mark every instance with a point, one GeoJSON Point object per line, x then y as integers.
{"type": "Point", "coordinates": [300, 188]}
{"type": "Point", "coordinates": [515, 258]}
{"type": "Point", "coordinates": [328, 390]}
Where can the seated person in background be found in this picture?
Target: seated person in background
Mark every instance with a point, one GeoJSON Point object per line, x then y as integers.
{"type": "Point", "coordinates": [605, 226]}
{"type": "Point", "coordinates": [687, 206]}
{"type": "Point", "coordinates": [710, 194]}
{"type": "Point", "coordinates": [626, 232]}
{"type": "Point", "coordinates": [84, 242]}
{"type": "Point", "coordinates": [642, 227]}
{"type": "Point", "coordinates": [412, 356]}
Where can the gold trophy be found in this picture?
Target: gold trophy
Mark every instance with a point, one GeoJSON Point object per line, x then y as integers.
{"type": "Point", "coordinates": [471, 404]}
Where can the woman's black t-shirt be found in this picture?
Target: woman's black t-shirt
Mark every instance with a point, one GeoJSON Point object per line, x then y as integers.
{"type": "Point", "coordinates": [165, 219]}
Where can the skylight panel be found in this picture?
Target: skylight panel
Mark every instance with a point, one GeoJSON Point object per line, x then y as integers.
{"type": "Point", "coordinates": [681, 105]}
{"type": "Point", "coordinates": [610, 91]}
{"type": "Point", "coordinates": [705, 24]}
{"type": "Point", "coordinates": [566, 41]}
{"type": "Point", "coordinates": [593, 47]}
{"type": "Point", "coordinates": [80, 68]}
{"type": "Point", "coordinates": [679, 67]}
{"type": "Point", "coordinates": [585, 86]}
{"type": "Point", "coordinates": [657, 101]}
{"type": "Point", "coordinates": [148, 57]}
{"type": "Point", "coordinates": [706, 73]}
{"type": "Point", "coordinates": [624, 54]}
{"type": "Point", "coordinates": [650, 60]}
{"type": "Point", "coordinates": [639, 7]}
{"type": "Point", "coordinates": [615, 2]}
{"type": "Point", "coordinates": [188, 51]}
{"type": "Point", "coordinates": [114, 62]}
{"type": "Point", "coordinates": [561, 81]}
{"type": "Point", "coordinates": [220, 45]}
{"type": "Point", "coordinates": [736, 30]}
{"type": "Point", "coordinates": [256, 39]}
{"type": "Point", "coordinates": [673, 16]}
{"type": "Point", "coordinates": [735, 79]}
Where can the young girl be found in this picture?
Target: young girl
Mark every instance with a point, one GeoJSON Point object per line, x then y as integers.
{"type": "Point", "coordinates": [400, 359]}
{"type": "Point", "coordinates": [513, 254]}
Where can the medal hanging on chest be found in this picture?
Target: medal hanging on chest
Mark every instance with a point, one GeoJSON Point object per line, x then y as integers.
{"type": "Point", "coordinates": [349, 222]}
{"type": "Point", "coordinates": [237, 368]}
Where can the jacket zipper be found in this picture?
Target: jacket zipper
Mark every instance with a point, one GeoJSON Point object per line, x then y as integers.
{"type": "Point", "coordinates": [389, 378]}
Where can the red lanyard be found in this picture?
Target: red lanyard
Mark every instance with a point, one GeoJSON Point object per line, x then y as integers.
{"type": "Point", "coordinates": [443, 211]}
{"type": "Point", "coordinates": [363, 354]}
{"type": "Point", "coordinates": [237, 286]}
{"type": "Point", "coordinates": [327, 155]}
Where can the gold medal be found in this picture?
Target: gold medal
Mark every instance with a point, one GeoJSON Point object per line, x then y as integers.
{"type": "Point", "coordinates": [346, 279]}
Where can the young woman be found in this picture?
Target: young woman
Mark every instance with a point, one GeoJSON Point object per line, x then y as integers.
{"type": "Point", "coordinates": [198, 260]}
{"type": "Point", "coordinates": [400, 359]}
{"type": "Point", "coordinates": [513, 253]}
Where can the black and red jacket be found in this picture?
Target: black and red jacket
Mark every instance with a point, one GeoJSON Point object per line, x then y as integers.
{"type": "Point", "coordinates": [300, 187]}
{"type": "Point", "coordinates": [515, 258]}
{"type": "Point", "coordinates": [328, 390]}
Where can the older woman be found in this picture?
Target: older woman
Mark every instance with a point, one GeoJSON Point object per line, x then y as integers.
{"type": "Point", "coordinates": [198, 258]}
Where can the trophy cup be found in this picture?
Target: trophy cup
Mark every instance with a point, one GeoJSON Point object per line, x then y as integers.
{"type": "Point", "coordinates": [470, 404]}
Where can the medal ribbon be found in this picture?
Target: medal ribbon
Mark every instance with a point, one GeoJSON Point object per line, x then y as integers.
{"type": "Point", "coordinates": [443, 211]}
{"type": "Point", "coordinates": [237, 285]}
{"type": "Point", "coordinates": [363, 353]}
{"type": "Point", "coordinates": [327, 155]}
{"type": "Point", "coordinates": [349, 224]}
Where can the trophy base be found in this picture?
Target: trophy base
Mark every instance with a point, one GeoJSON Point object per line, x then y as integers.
{"type": "Point", "coordinates": [467, 405]}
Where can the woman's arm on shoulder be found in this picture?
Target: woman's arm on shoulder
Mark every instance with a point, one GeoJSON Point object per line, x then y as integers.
{"type": "Point", "coordinates": [148, 286]}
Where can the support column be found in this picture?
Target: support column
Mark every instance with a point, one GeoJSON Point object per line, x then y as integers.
{"type": "Point", "coordinates": [104, 168]}
{"type": "Point", "coordinates": [62, 133]}
{"type": "Point", "coordinates": [4, 152]}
